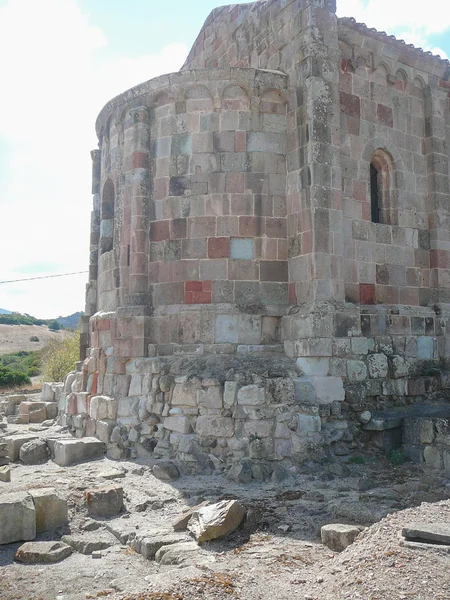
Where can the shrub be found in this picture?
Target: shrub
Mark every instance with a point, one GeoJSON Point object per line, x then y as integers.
{"type": "Point", "coordinates": [10, 378]}
{"type": "Point", "coordinates": [22, 361]}
{"type": "Point", "coordinates": [34, 338]}
{"type": "Point", "coordinates": [60, 356]}
{"type": "Point", "coordinates": [55, 326]}
{"type": "Point", "coordinates": [357, 460]}
{"type": "Point", "coordinates": [396, 457]}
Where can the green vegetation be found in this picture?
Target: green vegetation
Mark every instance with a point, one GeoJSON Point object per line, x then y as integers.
{"type": "Point", "coordinates": [28, 363]}
{"type": "Point", "coordinates": [54, 326]}
{"type": "Point", "coordinates": [10, 378]}
{"type": "Point", "coordinates": [60, 356]}
{"type": "Point", "coordinates": [396, 457]}
{"type": "Point", "coordinates": [19, 319]}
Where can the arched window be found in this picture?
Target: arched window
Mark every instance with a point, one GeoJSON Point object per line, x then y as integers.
{"type": "Point", "coordinates": [382, 187]}
{"type": "Point", "coordinates": [108, 200]}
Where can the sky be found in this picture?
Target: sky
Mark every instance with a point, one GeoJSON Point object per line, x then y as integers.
{"type": "Point", "coordinates": [60, 62]}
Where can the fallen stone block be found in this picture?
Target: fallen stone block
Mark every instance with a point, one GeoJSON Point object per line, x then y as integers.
{"type": "Point", "coordinates": [36, 411]}
{"type": "Point", "coordinates": [48, 392]}
{"type": "Point", "coordinates": [216, 520]}
{"type": "Point", "coordinates": [176, 554]}
{"type": "Point", "coordinates": [89, 542]}
{"type": "Point", "coordinates": [436, 533]}
{"type": "Point", "coordinates": [181, 522]}
{"type": "Point", "coordinates": [5, 474]}
{"type": "Point", "coordinates": [72, 451]}
{"type": "Point", "coordinates": [337, 537]}
{"type": "Point", "coordinates": [166, 471]}
{"type": "Point", "coordinates": [17, 518]}
{"type": "Point", "coordinates": [34, 452]}
{"type": "Point", "coordinates": [15, 443]}
{"type": "Point", "coordinates": [42, 552]}
{"type": "Point", "coordinates": [51, 410]}
{"type": "Point", "coordinates": [18, 419]}
{"type": "Point", "coordinates": [51, 509]}
{"type": "Point", "coordinates": [148, 545]}
{"type": "Point", "coordinates": [105, 501]}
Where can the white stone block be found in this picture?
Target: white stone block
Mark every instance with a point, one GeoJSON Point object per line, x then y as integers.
{"type": "Point", "coordinates": [328, 389]}
{"type": "Point", "coordinates": [214, 426]}
{"type": "Point", "coordinates": [51, 509]}
{"type": "Point", "coordinates": [229, 394]}
{"type": "Point", "coordinates": [185, 393]}
{"type": "Point", "coordinates": [103, 407]}
{"type": "Point", "coordinates": [210, 398]}
{"type": "Point", "coordinates": [17, 518]}
{"type": "Point", "coordinates": [135, 385]}
{"type": "Point", "coordinates": [312, 365]}
{"type": "Point", "coordinates": [252, 395]}
{"type": "Point", "coordinates": [69, 452]}
{"type": "Point", "coordinates": [178, 423]}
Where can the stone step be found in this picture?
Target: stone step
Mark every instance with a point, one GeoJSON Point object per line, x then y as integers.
{"type": "Point", "coordinates": [69, 452]}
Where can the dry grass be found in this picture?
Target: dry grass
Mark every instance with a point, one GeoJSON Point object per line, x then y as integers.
{"type": "Point", "coordinates": [14, 338]}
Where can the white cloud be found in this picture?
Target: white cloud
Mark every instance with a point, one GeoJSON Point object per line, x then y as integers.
{"type": "Point", "coordinates": [53, 86]}
{"type": "Point", "coordinates": [407, 19]}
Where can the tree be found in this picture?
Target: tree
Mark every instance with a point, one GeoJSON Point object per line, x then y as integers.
{"type": "Point", "coordinates": [60, 356]}
{"type": "Point", "coordinates": [55, 326]}
{"type": "Point", "coordinates": [10, 378]}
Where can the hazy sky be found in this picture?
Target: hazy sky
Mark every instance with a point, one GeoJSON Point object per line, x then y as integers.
{"type": "Point", "coordinates": [60, 62]}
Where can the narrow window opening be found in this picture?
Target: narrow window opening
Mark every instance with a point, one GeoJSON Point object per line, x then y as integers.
{"type": "Point", "coordinates": [128, 256]}
{"type": "Point", "coordinates": [374, 194]}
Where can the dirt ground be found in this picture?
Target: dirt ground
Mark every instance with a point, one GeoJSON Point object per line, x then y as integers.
{"type": "Point", "coordinates": [14, 338]}
{"type": "Point", "coordinates": [276, 552]}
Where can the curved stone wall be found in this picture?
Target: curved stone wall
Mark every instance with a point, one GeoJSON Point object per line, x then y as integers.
{"type": "Point", "coordinates": [197, 163]}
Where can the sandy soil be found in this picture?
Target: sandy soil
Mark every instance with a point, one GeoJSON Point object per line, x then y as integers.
{"type": "Point", "coordinates": [276, 553]}
{"type": "Point", "coordinates": [14, 338]}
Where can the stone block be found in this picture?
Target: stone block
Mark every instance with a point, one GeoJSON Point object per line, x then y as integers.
{"type": "Point", "coordinates": [252, 395]}
{"type": "Point", "coordinates": [51, 509]}
{"type": "Point", "coordinates": [210, 398]}
{"type": "Point", "coordinates": [34, 452]}
{"type": "Point", "coordinates": [17, 518]}
{"type": "Point", "coordinates": [48, 392]}
{"type": "Point", "coordinates": [308, 424]}
{"type": "Point", "coordinates": [32, 553]}
{"type": "Point", "coordinates": [359, 345]}
{"type": "Point", "coordinates": [433, 457]}
{"type": "Point", "coordinates": [128, 407]}
{"type": "Point", "coordinates": [311, 365]}
{"type": "Point", "coordinates": [304, 391]}
{"type": "Point", "coordinates": [214, 426]}
{"type": "Point", "coordinates": [72, 451]}
{"type": "Point", "coordinates": [216, 520]}
{"type": "Point", "coordinates": [82, 402]}
{"type": "Point", "coordinates": [103, 407]}
{"type": "Point", "coordinates": [242, 248]}
{"type": "Point", "coordinates": [226, 329]}
{"type": "Point", "coordinates": [378, 366]}
{"type": "Point", "coordinates": [425, 348]}
{"type": "Point", "coordinates": [185, 393]}
{"type": "Point", "coordinates": [51, 410]}
{"type": "Point", "coordinates": [328, 389]}
{"type": "Point", "coordinates": [230, 393]}
{"type": "Point", "coordinates": [356, 370]}
{"type": "Point", "coordinates": [15, 442]}
{"type": "Point", "coordinates": [178, 423]}
{"type": "Point", "coordinates": [103, 430]}
{"type": "Point", "coordinates": [399, 366]}
{"type": "Point", "coordinates": [105, 501]}
{"type": "Point", "coordinates": [337, 537]}
{"type": "Point", "coordinates": [135, 385]}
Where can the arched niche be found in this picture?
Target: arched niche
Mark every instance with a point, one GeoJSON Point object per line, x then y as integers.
{"type": "Point", "coordinates": [235, 97]}
{"type": "Point", "coordinates": [198, 99]}
{"type": "Point", "coordinates": [273, 102]}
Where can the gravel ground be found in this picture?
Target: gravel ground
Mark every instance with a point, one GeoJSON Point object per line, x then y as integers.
{"type": "Point", "coordinates": [277, 552]}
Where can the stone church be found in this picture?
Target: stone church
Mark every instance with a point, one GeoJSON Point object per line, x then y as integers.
{"type": "Point", "coordinates": [270, 244]}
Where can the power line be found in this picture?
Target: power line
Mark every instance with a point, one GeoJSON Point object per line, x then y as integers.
{"type": "Point", "coordinates": [44, 277]}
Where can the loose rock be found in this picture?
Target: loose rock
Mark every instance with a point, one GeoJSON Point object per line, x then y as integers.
{"type": "Point", "coordinates": [217, 520]}
{"type": "Point", "coordinates": [42, 552]}
{"type": "Point", "coordinates": [337, 537]}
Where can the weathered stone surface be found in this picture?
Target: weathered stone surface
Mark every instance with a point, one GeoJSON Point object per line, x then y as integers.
{"type": "Point", "coordinates": [34, 452]}
{"type": "Point", "coordinates": [148, 544]}
{"type": "Point", "coordinates": [178, 423]}
{"type": "Point", "coordinates": [216, 520]}
{"type": "Point", "coordinates": [180, 523]}
{"type": "Point", "coordinates": [17, 518]}
{"type": "Point", "coordinates": [337, 537]}
{"type": "Point", "coordinates": [252, 395]}
{"type": "Point", "coordinates": [71, 451]}
{"type": "Point", "coordinates": [32, 553]}
{"type": "Point", "coordinates": [177, 554]}
{"type": "Point", "coordinates": [103, 407]}
{"type": "Point", "coordinates": [51, 509]}
{"type": "Point", "coordinates": [166, 471]}
{"type": "Point", "coordinates": [89, 542]}
{"type": "Point", "coordinates": [15, 442]}
{"type": "Point", "coordinates": [105, 501]}
{"type": "Point", "coordinates": [434, 533]}
{"type": "Point", "coordinates": [214, 426]}
{"type": "Point", "coordinates": [5, 474]}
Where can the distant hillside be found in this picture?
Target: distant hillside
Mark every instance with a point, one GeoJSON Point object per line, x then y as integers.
{"type": "Point", "coordinates": [70, 322]}
{"type": "Point", "coordinates": [3, 311]}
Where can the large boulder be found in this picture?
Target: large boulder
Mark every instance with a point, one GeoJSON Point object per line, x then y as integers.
{"type": "Point", "coordinates": [34, 452]}
{"type": "Point", "coordinates": [17, 518]}
{"type": "Point", "coordinates": [15, 443]}
{"type": "Point", "coordinates": [166, 471]}
{"type": "Point", "coordinates": [337, 537]}
{"type": "Point", "coordinates": [217, 520]}
{"type": "Point", "coordinates": [51, 509]}
{"type": "Point", "coordinates": [42, 552]}
{"type": "Point", "coordinates": [105, 501]}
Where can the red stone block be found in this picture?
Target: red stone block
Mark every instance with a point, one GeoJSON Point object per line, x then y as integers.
{"type": "Point", "coordinates": [350, 104]}
{"type": "Point", "coordinates": [249, 226]}
{"type": "Point", "coordinates": [218, 247]}
{"type": "Point", "coordinates": [94, 385]}
{"type": "Point", "coordinates": [193, 286]}
{"type": "Point", "coordinates": [207, 286]}
{"type": "Point", "coordinates": [159, 231]}
{"type": "Point", "coordinates": [439, 259]}
{"type": "Point", "coordinates": [275, 227]}
{"type": "Point", "coordinates": [307, 242]}
{"type": "Point", "coordinates": [140, 160]}
{"type": "Point", "coordinates": [367, 293]}
{"type": "Point", "coordinates": [240, 141]}
{"type": "Point", "coordinates": [385, 115]}
{"type": "Point", "coordinates": [103, 325]}
{"type": "Point", "coordinates": [197, 297]}
{"type": "Point", "coordinates": [161, 188]}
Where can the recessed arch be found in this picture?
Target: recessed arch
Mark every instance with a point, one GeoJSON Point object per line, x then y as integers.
{"type": "Point", "coordinates": [235, 97]}
{"type": "Point", "coordinates": [198, 99]}
{"type": "Point", "coordinates": [382, 74]}
{"type": "Point", "coordinates": [401, 80]}
{"type": "Point", "coordinates": [273, 101]}
{"type": "Point", "coordinates": [108, 199]}
{"type": "Point", "coordinates": [383, 205]}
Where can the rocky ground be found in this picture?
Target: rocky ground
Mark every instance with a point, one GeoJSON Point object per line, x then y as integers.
{"type": "Point", "coordinates": [276, 552]}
